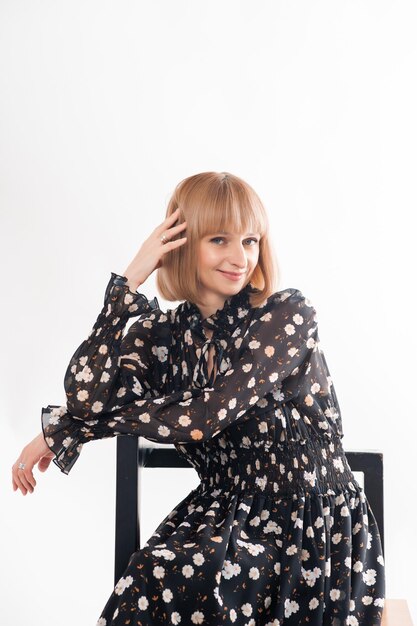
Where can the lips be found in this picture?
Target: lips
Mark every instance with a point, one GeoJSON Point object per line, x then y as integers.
{"type": "Point", "coordinates": [234, 274]}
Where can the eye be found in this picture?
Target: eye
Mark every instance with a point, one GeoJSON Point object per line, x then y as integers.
{"type": "Point", "coordinates": [255, 241]}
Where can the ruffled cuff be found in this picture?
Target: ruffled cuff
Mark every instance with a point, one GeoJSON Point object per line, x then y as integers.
{"type": "Point", "coordinates": [63, 435]}
{"type": "Point", "coordinates": [120, 300]}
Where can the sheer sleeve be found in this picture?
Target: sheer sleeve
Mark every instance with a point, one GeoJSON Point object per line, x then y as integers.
{"type": "Point", "coordinates": [95, 379]}
{"type": "Point", "coordinates": [276, 343]}
{"type": "Point", "coordinates": [310, 390]}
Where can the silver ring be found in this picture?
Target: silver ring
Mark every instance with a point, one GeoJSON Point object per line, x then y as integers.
{"type": "Point", "coordinates": [22, 465]}
{"type": "Point", "coordinates": [164, 239]}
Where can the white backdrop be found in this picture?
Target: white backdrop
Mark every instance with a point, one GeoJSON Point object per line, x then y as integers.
{"type": "Point", "coordinates": [104, 108]}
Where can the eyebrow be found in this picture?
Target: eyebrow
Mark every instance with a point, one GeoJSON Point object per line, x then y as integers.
{"type": "Point", "coordinates": [223, 232]}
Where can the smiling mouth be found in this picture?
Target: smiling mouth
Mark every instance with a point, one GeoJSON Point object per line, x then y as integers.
{"type": "Point", "coordinates": [233, 273]}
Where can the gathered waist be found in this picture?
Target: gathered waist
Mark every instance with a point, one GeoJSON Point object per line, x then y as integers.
{"type": "Point", "coordinates": [312, 465]}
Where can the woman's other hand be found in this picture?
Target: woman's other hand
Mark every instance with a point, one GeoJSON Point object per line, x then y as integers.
{"type": "Point", "coordinates": [150, 254]}
{"type": "Point", "coordinates": [37, 451]}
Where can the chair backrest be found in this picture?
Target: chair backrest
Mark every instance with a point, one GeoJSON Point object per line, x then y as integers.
{"type": "Point", "coordinates": [132, 455]}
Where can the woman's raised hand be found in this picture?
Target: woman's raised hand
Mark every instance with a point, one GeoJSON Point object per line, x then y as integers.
{"type": "Point", "coordinates": [150, 254]}
{"type": "Point", "coordinates": [37, 451]}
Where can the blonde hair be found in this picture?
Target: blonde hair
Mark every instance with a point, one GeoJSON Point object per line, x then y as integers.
{"type": "Point", "coordinates": [211, 202]}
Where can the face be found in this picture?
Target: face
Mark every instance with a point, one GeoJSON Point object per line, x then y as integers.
{"type": "Point", "coordinates": [226, 262]}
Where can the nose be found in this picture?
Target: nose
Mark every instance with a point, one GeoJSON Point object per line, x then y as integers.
{"type": "Point", "coordinates": [237, 257]}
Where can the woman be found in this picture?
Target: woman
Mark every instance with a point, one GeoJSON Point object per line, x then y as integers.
{"type": "Point", "coordinates": [278, 530]}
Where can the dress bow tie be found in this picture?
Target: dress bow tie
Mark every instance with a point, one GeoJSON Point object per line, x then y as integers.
{"type": "Point", "coordinates": [201, 369]}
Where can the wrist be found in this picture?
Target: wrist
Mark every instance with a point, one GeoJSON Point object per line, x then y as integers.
{"type": "Point", "coordinates": [132, 282]}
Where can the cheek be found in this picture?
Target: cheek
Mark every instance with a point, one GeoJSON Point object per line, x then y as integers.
{"type": "Point", "coordinates": [253, 256]}
{"type": "Point", "coordinates": [208, 255]}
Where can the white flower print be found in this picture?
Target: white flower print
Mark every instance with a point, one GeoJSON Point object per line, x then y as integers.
{"type": "Point", "coordinates": [121, 392]}
{"type": "Point", "coordinates": [122, 584]}
{"type": "Point", "coordinates": [164, 431]}
{"type": "Point", "coordinates": [168, 555]}
{"type": "Point", "coordinates": [246, 609]}
{"type": "Point", "coordinates": [222, 414]}
{"type": "Point", "coordinates": [198, 559]}
{"type": "Point", "coordinates": [143, 603]}
{"type": "Point", "coordinates": [369, 576]}
{"type": "Point", "coordinates": [334, 594]}
{"type": "Point", "coordinates": [158, 571]}
{"type": "Point", "coordinates": [367, 600]}
{"type": "Point", "coordinates": [319, 522]}
{"type": "Point", "coordinates": [315, 388]}
{"type": "Point", "coordinates": [254, 573]}
{"type": "Point", "coordinates": [197, 617]}
{"type": "Point", "coordinates": [291, 606]}
{"type": "Point", "coordinates": [261, 482]}
{"type": "Point", "coordinates": [272, 527]}
{"type": "Point", "coordinates": [298, 319]}
{"type": "Point", "coordinates": [252, 548]}
{"type": "Point", "coordinates": [230, 569]}
{"type": "Point", "coordinates": [184, 420]}
{"type": "Point", "coordinates": [167, 595]}
{"type": "Point", "coordinates": [310, 477]}
{"type": "Point", "coordinates": [86, 375]}
{"type": "Point", "coordinates": [175, 618]}
{"type": "Point", "coordinates": [83, 394]}
{"type": "Point", "coordinates": [310, 576]}
{"type": "Point", "coordinates": [289, 329]}
{"type": "Point", "coordinates": [305, 554]}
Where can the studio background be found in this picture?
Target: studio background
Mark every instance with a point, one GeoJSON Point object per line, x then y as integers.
{"type": "Point", "coordinates": [104, 108]}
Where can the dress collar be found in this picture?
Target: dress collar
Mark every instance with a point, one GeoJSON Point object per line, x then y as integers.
{"type": "Point", "coordinates": [225, 318]}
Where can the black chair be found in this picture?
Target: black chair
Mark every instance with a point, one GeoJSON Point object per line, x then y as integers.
{"type": "Point", "coordinates": [133, 453]}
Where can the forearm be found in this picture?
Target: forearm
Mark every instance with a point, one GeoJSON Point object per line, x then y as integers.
{"type": "Point", "coordinates": [92, 383]}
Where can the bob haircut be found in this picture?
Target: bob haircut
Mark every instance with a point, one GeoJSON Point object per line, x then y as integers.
{"type": "Point", "coordinates": [211, 202]}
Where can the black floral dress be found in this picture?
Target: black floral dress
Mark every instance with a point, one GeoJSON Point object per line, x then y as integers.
{"type": "Point", "coordinates": [278, 531]}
